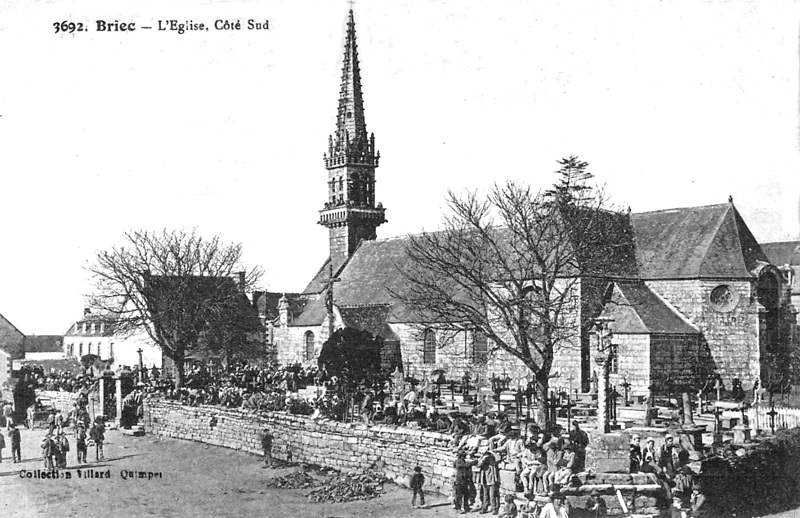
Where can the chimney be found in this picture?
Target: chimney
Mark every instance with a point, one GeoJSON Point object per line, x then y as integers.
{"type": "Point", "coordinates": [86, 311]}
{"type": "Point", "coordinates": [241, 281]}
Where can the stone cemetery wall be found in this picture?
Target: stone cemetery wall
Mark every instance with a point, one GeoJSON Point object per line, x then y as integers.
{"type": "Point", "coordinates": [343, 446]}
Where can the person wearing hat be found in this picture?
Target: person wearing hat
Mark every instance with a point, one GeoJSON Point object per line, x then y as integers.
{"type": "Point", "coordinates": [489, 482]}
{"type": "Point", "coordinates": [13, 435]}
{"type": "Point", "coordinates": [635, 455]}
{"type": "Point", "coordinates": [463, 478]}
{"type": "Point", "coordinates": [557, 508]}
{"type": "Point", "coordinates": [48, 450]}
{"type": "Point", "coordinates": [80, 442]}
{"type": "Point", "coordinates": [266, 446]}
{"type": "Point", "coordinates": [665, 461]}
{"type": "Point", "coordinates": [416, 483]}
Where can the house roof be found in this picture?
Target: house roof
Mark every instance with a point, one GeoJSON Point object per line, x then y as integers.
{"type": "Point", "coordinates": [10, 338]}
{"type": "Point", "coordinates": [783, 252]}
{"type": "Point", "coordinates": [636, 309]}
{"type": "Point", "coordinates": [696, 242]}
{"type": "Point", "coordinates": [42, 343]}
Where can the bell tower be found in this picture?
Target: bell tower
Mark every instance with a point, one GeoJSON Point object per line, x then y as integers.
{"type": "Point", "coordinates": [350, 213]}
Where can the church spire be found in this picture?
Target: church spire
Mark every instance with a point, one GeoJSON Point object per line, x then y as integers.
{"type": "Point", "coordinates": [350, 214]}
{"type": "Point", "coordinates": [351, 142]}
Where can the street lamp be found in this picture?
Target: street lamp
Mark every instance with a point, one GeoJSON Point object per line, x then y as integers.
{"type": "Point", "coordinates": [603, 336]}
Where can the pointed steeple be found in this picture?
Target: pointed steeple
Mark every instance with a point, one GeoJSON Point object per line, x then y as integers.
{"type": "Point", "coordinates": [351, 140]}
{"type": "Point", "coordinates": [351, 213]}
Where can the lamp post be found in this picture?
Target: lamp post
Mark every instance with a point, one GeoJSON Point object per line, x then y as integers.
{"type": "Point", "coordinates": [603, 335]}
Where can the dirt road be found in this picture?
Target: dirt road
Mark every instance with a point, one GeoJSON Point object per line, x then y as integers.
{"type": "Point", "coordinates": [152, 477]}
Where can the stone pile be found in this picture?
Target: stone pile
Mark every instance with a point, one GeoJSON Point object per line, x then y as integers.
{"type": "Point", "coordinates": [358, 485]}
{"type": "Point", "coordinates": [296, 480]}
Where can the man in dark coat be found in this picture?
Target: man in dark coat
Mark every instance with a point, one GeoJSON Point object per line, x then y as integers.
{"type": "Point", "coordinates": [636, 455]}
{"type": "Point", "coordinates": [463, 478]}
{"type": "Point", "coordinates": [15, 444]}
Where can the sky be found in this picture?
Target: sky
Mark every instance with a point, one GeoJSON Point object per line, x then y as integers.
{"type": "Point", "coordinates": [673, 104]}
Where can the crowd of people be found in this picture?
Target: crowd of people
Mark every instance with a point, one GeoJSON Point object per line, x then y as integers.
{"type": "Point", "coordinates": [669, 463]}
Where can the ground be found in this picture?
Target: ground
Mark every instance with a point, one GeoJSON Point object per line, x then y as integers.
{"type": "Point", "coordinates": [197, 481]}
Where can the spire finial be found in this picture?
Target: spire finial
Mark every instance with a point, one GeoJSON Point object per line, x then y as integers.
{"type": "Point", "coordinates": [730, 199]}
{"type": "Point", "coordinates": [351, 2]}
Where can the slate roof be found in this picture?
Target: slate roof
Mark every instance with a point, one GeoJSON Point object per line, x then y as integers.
{"type": "Point", "coordinates": [42, 344]}
{"type": "Point", "coordinates": [783, 252]}
{"type": "Point", "coordinates": [636, 309]}
{"type": "Point", "coordinates": [10, 338]}
{"type": "Point", "coordinates": [685, 243]}
{"type": "Point", "coordinates": [696, 242]}
{"type": "Point", "coordinates": [369, 318]}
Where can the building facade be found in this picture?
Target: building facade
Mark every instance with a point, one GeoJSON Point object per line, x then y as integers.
{"type": "Point", "coordinates": [703, 300]}
{"type": "Point", "coordinates": [95, 334]}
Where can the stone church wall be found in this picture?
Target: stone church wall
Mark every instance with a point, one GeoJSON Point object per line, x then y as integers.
{"type": "Point", "coordinates": [731, 336]}
{"type": "Point", "coordinates": [633, 364]}
{"type": "Point", "coordinates": [390, 449]}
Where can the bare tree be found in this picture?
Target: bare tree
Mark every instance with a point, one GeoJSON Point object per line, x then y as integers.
{"type": "Point", "coordinates": [174, 286]}
{"type": "Point", "coordinates": [509, 265]}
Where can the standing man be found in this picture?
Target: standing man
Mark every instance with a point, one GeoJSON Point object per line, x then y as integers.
{"type": "Point", "coordinates": [80, 442]}
{"type": "Point", "coordinates": [266, 445]}
{"type": "Point", "coordinates": [489, 482]}
{"type": "Point", "coordinates": [463, 478]}
{"type": "Point", "coordinates": [47, 452]}
{"type": "Point", "coordinates": [2, 446]}
{"type": "Point", "coordinates": [665, 461]}
{"type": "Point", "coordinates": [97, 434]}
{"type": "Point", "coordinates": [15, 444]}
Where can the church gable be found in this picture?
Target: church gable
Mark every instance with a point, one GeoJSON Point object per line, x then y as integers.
{"type": "Point", "coordinates": [635, 309]}
{"type": "Point", "coordinates": [695, 242]}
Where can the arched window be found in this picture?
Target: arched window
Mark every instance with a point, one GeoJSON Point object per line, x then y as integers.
{"type": "Point", "coordinates": [309, 350]}
{"type": "Point", "coordinates": [429, 347]}
{"type": "Point", "coordinates": [480, 345]}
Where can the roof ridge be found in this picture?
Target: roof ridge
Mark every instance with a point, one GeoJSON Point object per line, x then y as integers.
{"type": "Point", "coordinates": [673, 209]}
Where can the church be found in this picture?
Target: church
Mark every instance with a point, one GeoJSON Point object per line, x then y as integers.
{"type": "Point", "coordinates": [704, 300]}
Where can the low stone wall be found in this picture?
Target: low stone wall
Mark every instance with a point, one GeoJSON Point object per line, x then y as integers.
{"type": "Point", "coordinates": [60, 400]}
{"type": "Point", "coordinates": [392, 450]}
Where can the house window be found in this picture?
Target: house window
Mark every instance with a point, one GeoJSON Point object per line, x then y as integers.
{"type": "Point", "coordinates": [614, 357]}
{"type": "Point", "coordinates": [90, 348]}
{"type": "Point", "coordinates": [429, 347]}
{"type": "Point", "coordinates": [309, 350]}
{"type": "Point", "coordinates": [111, 349]}
{"type": "Point", "coordinates": [70, 349]}
{"type": "Point", "coordinates": [80, 349]}
{"type": "Point", "coordinates": [480, 345]}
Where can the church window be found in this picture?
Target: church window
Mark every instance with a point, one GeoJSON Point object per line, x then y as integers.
{"type": "Point", "coordinates": [723, 298]}
{"type": "Point", "coordinates": [308, 353]}
{"type": "Point", "coordinates": [429, 347]}
{"type": "Point", "coordinates": [613, 356]}
{"type": "Point", "coordinates": [480, 345]}
{"type": "Point", "coordinates": [341, 184]}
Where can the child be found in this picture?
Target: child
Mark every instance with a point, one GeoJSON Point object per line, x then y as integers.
{"type": "Point", "coordinates": [266, 445]}
{"type": "Point", "coordinates": [80, 442]}
{"type": "Point", "coordinates": [417, 481]}
{"type": "Point", "coordinates": [509, 507]}
{"type": "Point", "coordinates": [596, 505]}
{"type": "Point", "coordinates": [15, 444]}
